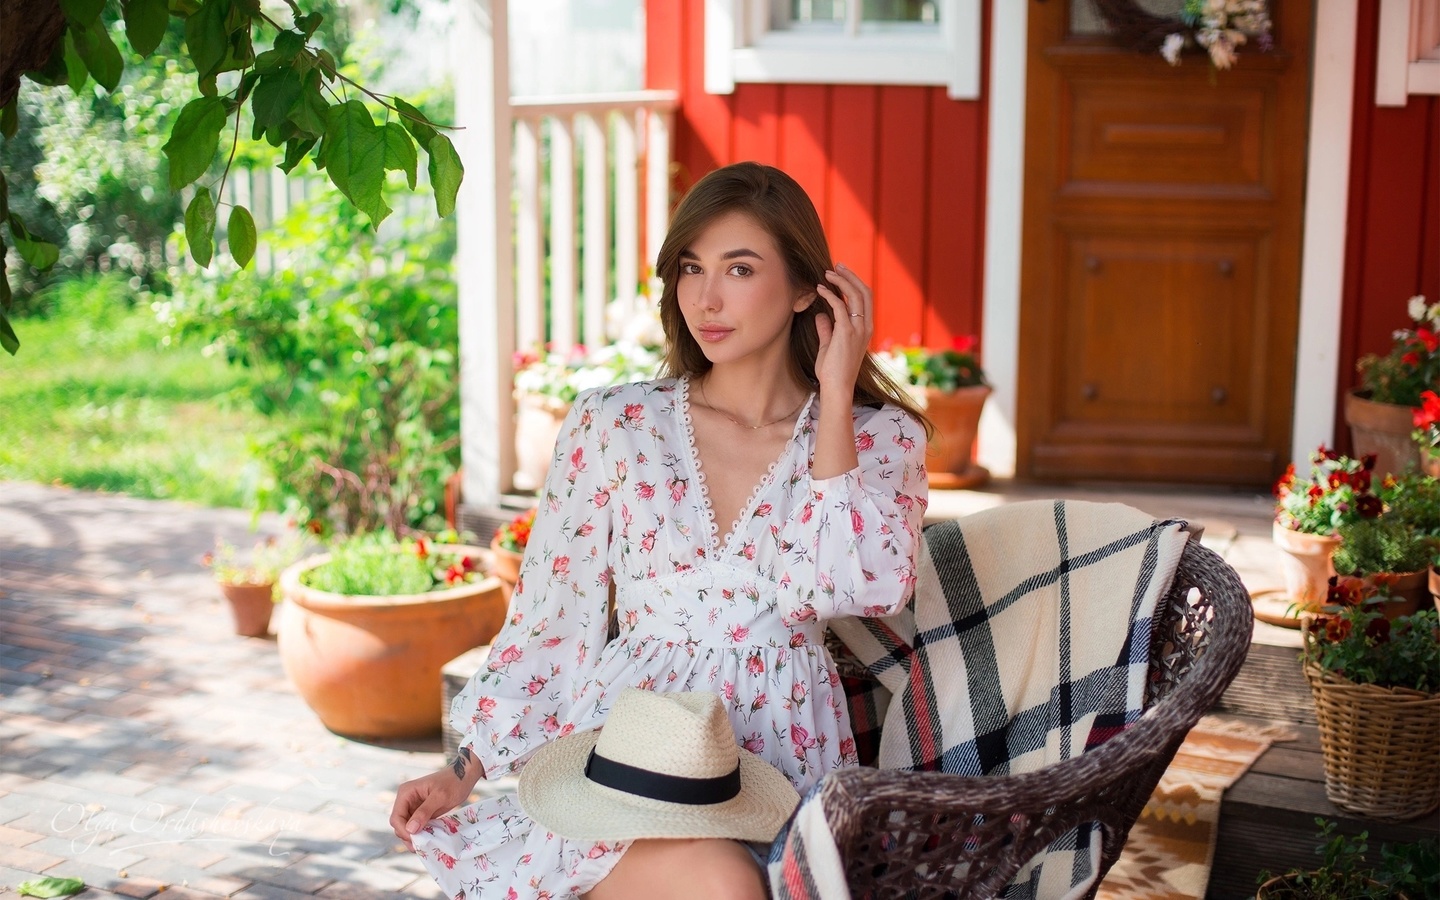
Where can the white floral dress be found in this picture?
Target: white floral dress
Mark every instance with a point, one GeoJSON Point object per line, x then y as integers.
{"type": "Point", "coordinates": [625, 494]}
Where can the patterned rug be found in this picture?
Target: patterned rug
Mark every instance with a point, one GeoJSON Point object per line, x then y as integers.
{"type": "Point", "coordinates": [1170, 848]}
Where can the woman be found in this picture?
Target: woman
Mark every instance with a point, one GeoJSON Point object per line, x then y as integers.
{"type": "Point", "coordinates": [773, 418]}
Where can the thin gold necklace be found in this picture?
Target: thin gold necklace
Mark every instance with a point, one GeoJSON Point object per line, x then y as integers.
{"type": "Point", "coordinates": [722, 412]}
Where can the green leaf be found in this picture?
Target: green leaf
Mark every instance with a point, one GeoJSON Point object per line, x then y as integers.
{"type": "Point", "coordinates": [184, 8]}
{"type": "Point", "coordinates": [200, 227]}
{"type": "Point", "coordinates": [446, 173]}
{"type": "Point", "coordinates": [241, 233]}
{"type": "Point", "coordinates": [275, 95]}
{"type": "Point", "coordinates": [49, 886]}
{"type": "Point", "coordinates": [145, 23]}
{"type": "Point", "coordinates": [5, 299]}
{"type": "Point", "coordinates": [354, 155]}
{"type": "Point", "coordinates": [400, 153]}
{"type": "Point", "coordinates": [82, 12]}
{"type": "Point", "coordinates": [308, 24]}
{"type": "Point", "coordinates": [9, 120]}
{"type": "Point", "coordinates": [53, 72]}
{"type": "Point", "coordinates": [4, 206]}
{"type": "Point", "coordinates": [312, 110]}
{"type": "Point", "coordinates": [328, 65]}
{"type": "Point", "coordinates": [8, 340]}
{"type": "Point", "coordinates": [415, 123]}
{"type": "Point", "coordinates": [207, 37]}
{"type": "Point", "coordinates": [39, 253]}
{"type": "Point", "coordinates": [295, 150]}
{"type": "Point", "coordinates": [101, 56]}
{"type": "Point", "coordinates": [288, 45]}
{"type": "Point", "coordinates": [194, 139]}
{"type": "Point", "coordinates": [76, 73]}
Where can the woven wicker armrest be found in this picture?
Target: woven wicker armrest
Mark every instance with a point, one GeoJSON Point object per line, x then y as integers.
{"type": "Point", "coordinates": [933, 834]}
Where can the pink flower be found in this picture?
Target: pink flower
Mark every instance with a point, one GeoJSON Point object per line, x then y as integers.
{"type": "Point", "coordinates": [485, 707]}
{"type": "Point", "coordinates": [647, 543]}
{"type": "Point", "coordinates": [905, 441]}
{"type": "Point", "coordinates": [827, 584]}
{"type": "Point", "coordinates": [847, 748]}
{"type": "Point", "coordinates": [806, 512]}
{"type": "Point", "coordinates": [759, 702]}
{"type": "Point", "coordinates": [728, 689]}
{"type": "Point", "coordinates": [645, 489]}
{"type": "Point", "coordinates": [621, 469]}
{"type": "Point", "coordinates": [677, 488]}
{"type": "Point", "coordinates": [634, 413]}
{"type": "Point", "coordinates": [754, 665]}
{"type": "Point", "coordinates": [577, 459]}
{"type": "Point", "coordinates": [549, 643]}
{"type": "Point", "coordinates": [445, 858]}
{"type": "Point", "coordinates": [450, 824]}
{"type": "Point", "coordinates": [550, 723]}
{"type": "Point", "coordinates": [600, 499]}
{"type": "Point", "coordinates": [510, 654]}
{"type": "Point", "coordinates": [801, 738]}
{"type": "Point", "coordinates": [864, 441]}
{"type": "Point", "coordinates": [535, 686]}
{"type": "Point", "coordinates": [857, 521]}
{"type": "Point", "coordinates": [560, 568]}
{"type": "Point", "coordinates": [566, 729]}
{"type": "Point", "coordinates": [753, 743]}
{"type": "Point", "coordinates": [737, 633]}
{"type": "Point", "coordinates": [748, 550]}
{"type": "Point", "coordinates": [763, 509]}
{"type": "Point", "coordinates": [797, 693]}
{"type": "Point", "coordinates": [797, 640]}
{"type": "Point", "coordinates": [584, 530]}
{"type": "Point", "coordinates": [598, 851]}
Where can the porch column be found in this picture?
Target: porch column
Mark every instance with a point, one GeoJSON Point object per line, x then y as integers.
{"type": "Point", "coordinates": [482, 255]}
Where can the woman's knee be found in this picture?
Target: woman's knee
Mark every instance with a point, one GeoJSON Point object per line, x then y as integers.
{"type": "Point", "coordinates": [711, 869]}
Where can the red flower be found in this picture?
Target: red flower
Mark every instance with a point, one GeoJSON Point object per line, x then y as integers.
{"type": "Point", "coordinates": [1430, 339]}
{"type": "Point", "coordinates": [964, 343]}
{"type": "Point", "coordinates": [421, 550]}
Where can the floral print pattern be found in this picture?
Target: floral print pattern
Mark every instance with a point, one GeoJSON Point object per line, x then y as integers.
{"type": "Point", "coordinates": [742, 617]}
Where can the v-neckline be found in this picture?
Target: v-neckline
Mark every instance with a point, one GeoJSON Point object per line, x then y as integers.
{"type": "Point", "coordinates": [714, 544]}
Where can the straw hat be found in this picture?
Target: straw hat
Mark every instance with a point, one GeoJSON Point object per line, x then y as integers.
{"type": "Point", "coordinates": [663, 766]}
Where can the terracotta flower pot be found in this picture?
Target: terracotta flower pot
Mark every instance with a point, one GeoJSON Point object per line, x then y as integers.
{"type": "Point", "coordinates": [950, 453]}
{"type": "Point", "coordinates": [537, 425]}
{"type": "Point", "coordinates": [1384, 429]}
{"type": "Point", "coordinates": [506, 565]}
{"type": "Point", "coordinates": [370, 666]}
{"type": "Point", "coordinates": [1435, 586]}
{"type": "Point", "coordinates": [1430, 461]}
{"type": "Point", "coordinates": [1306, 565]}
{"type": "Point", "coordinates": [1407, 591]}
{"type": "Point", "coordinates": [251, 604]}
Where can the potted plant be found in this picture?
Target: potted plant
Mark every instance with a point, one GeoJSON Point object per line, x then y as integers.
{"type": "Point", "coordinates": [367, 627]}
{"type": "Point", "coordinates": [1376, 685]}
{"type": "Point", "coordinates": [950, 386]}
{"type": "Point", "coordinates": [1380, 412]}
{"type": "Point", "coordinates": [1309, 512]}
{"type": "Point", "coordinates": [508, 547]}
{"type": "Point", "coordinates": [1389, 554]}
{"type": "Point", "coordinates": [1345, 874]}
{"type": "Point", "coordinates": [546, 385]}
{"type": "Point", "coordinates": [1426, 418]}
{"type": "Point", "coordinates": [248, 584]}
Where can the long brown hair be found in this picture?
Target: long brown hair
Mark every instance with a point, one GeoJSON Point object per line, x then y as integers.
{"type": "Point", "coordinates": [780, 206]}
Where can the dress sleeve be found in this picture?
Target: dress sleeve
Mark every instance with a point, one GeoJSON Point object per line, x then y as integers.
{"type": "Point", "coordinates": [556, 624]}
{"type": "Point", "coordinates": [850, 544]}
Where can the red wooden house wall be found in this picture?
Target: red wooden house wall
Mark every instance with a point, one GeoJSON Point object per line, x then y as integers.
{"type": "Point", "coordinates": [897, 173]}
{"type": "Point", "coordinates": [1392, 236]}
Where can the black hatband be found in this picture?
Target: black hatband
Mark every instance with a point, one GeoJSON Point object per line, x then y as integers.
{"type": "Point", "coordinates": [658, 786]}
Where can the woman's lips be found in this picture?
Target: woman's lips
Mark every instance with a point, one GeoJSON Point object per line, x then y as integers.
{"type": "Point", "coordinates": [712, 333]}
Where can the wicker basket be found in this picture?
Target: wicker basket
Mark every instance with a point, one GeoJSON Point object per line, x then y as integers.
{"type": "Point", "coordinates": [1381, 746]}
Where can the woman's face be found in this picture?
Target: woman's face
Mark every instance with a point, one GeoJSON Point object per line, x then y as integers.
{"type": "Point", "coordinates": [735, 293]}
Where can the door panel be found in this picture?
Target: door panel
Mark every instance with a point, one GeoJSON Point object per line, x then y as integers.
{"type": "Point", "coordinates": [1160, 265]}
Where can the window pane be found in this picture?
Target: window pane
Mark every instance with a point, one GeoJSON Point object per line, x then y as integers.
{"type": "Point", "coordinates": [900, 11]}
{"type": "Point", "coordinates": [803, 11]}
{"type": "Point", "coordinates": [1086, 19]}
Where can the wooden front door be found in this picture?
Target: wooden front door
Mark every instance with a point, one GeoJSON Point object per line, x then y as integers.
{"type": "Point", "coordinates": [1161, 260]}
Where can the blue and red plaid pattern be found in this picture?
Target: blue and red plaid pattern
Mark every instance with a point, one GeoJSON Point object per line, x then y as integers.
{"type": "Point", "coordinates": [1042, 612]}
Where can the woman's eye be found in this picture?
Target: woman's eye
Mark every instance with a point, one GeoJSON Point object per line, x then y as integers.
{"type": "Point", "coordinates": [689, 269]}
{"type": "Point", "coordinates": [741, 270]}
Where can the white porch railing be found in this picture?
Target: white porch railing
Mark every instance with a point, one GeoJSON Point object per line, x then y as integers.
{"type": "Point", "coordinates": [609, 155]}
{"type": "Point", "coordinates": [580, 183]}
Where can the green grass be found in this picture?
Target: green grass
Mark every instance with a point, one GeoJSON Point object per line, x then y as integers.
{"type": "Point", "coordinates": [95, 399]}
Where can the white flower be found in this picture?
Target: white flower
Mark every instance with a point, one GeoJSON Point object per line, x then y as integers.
{"type": "Point", "coordinates": [1419, 312]}
{"type": "Point", "coordinates": [1171, 48]}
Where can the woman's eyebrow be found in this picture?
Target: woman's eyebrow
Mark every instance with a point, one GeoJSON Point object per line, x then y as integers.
{"type": "Point", "coordinates": [728, 254]}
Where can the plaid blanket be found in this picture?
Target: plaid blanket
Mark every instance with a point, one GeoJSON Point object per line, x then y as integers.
{"type": "Point", "coordinates": [1020, 605]}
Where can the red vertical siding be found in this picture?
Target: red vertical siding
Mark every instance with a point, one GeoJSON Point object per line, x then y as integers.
{"type": "Point", "coordinates": [896, 173]}
{"type": "Point", "coordinates": [1392, 237]}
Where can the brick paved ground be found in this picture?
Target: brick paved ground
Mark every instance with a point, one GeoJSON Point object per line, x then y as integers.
{"type": "Point", "coordinates": [144, 747]}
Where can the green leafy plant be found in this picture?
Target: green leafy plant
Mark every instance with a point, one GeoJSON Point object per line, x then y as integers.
{"type": "Point", "coordinates": [1427, 422]}
{"type": "Point", "coordinates": [561, 374]}
{"type": "Point", "coordinates": [261, 565]}
{"type": "Point", "coordinates": [1414, 500]}
{"type": "Point", "coordinates": [1346, 874]}
{"type": "Point", "coordinates": [1352, 639]}
{"type": "Point", "coordinates": [1337, 492]}
{"type": "Point", "coordinates": [1383, 545]}
{"type": "Point", "coordinates": [377, 565]}
{"type": "Point", "coordinates": [1412, 366]}
{"type": "Point", "coordinates": [292, 92]}
{"type": "Point", "coordinates": [353, 338]}
{"type": "Point", "coordinates": [944, 370]}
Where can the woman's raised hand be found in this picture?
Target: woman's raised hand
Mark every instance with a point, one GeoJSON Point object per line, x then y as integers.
{"type": "Point", "coordinates": [421, 799]}
{"type": "Point", "coordinates": [845, 340]}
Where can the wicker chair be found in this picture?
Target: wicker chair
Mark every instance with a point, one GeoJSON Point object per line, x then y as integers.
{"type": "Point", "coordinates": [927, 834]}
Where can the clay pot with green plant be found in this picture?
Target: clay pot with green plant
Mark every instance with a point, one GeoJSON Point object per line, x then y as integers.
{"type": "Point", "coordinates": [367, 627]}
{"type": "Point", "coordinates": [1310, 511]}
{"type": "Point", "coordinates": [1347, 872]}
{"type": "Point", "coordinates": [508, 548]}
{"type": "Point", "coordinates": [951, 387]}
{"type": "Point", "coordinates": [248, 580]}
{"type": "Point", "coordinates": [1389, 554]}
{"type": "Point", "coordinates": [1379, 413]}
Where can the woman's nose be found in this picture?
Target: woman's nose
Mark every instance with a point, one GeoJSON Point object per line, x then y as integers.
{"type": "Point", "coordinates": [709, 295]}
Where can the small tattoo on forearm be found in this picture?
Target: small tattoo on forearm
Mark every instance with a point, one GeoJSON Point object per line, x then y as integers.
{"type": "Point", "coordinates": [461, 761]}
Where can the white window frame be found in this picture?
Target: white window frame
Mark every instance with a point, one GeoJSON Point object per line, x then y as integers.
{"type": "Point", "coordinates": [742, 46]}
{"type": "Point", "coordinates": [1408, 60]}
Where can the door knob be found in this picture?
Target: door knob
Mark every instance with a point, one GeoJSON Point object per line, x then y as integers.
{"type": "Point", "coordinates": [1089, 391]}
{"type": "Point", "coordinates": [1217, 395]}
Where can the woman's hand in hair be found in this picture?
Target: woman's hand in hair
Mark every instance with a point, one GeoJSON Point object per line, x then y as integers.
{"type": "Point", "coordinates": [845, 334]}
